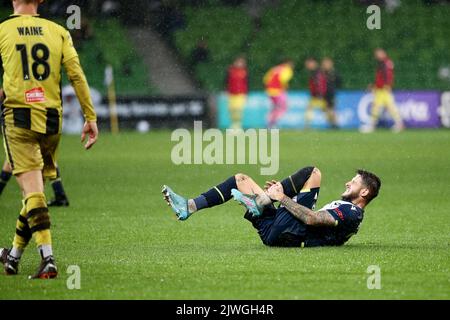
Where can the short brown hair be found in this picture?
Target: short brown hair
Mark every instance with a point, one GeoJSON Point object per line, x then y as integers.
{"type": "Point", "coordinates": [372, 182]}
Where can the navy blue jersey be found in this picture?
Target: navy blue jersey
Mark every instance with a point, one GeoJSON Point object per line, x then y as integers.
{"type": "Point", "coordinates": [348, 218]}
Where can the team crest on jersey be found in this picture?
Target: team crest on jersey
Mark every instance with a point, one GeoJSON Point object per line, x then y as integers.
{"type": "Point", "coordinates": [35, 95]}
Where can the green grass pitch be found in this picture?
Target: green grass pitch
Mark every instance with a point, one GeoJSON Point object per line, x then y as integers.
{"type": "Point", "coordinates": [128, 244]}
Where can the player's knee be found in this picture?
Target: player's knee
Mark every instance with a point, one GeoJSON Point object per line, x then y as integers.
{"type": "Point", "coordinates": [315, 179]}
{"type": "Point", "coordinates": [316, 173]}
{"type": "Point", "coordinates": [241, 177]}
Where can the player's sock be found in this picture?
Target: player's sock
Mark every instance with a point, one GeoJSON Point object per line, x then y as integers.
{"type": "Point", "coordinates": [57, 186]}
{"type": "Point", "coordinates": [4, 178]}
{"type": "Point", "coordinates": [39, 222]}
{"type": "Point", "coordinates": [45, 250]}
{"type": "Point", "coordinates": [16, 253]}
{"type": "Point", "coordinates": [216, 195]}
{"type": "Point", "coordinates": [294, 183]}
{"type": "Point", "coordinates": [23, 234]}
{"type": "Point", "coordinates": [197, 204]}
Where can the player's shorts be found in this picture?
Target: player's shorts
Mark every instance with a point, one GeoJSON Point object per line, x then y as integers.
{"type": "Point", "coordinates": [277, 227]}
{"type": "Point", "coordinates": [237, 101]}
{"type": "Point", "coordinates": [318, 102]}
{"type": "Point", "coordinates": [27, 150]}
{"type": "Point", "coordinates": [383, 97]}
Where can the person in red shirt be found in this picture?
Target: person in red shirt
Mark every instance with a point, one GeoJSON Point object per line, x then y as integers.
{"type": "Point", "coordinates": [382, 92]}
{"type": "Point", "coordinates": [317, 87]}
{"type": "Point", "coordinates": [237, 89]}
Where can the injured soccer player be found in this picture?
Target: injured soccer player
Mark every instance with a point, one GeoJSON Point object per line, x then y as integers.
{"type": "Point", "coordinates": [283, 212]}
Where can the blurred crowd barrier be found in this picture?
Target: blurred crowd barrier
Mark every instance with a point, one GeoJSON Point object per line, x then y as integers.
{"type": "Point", "coordinates": [419, 109]}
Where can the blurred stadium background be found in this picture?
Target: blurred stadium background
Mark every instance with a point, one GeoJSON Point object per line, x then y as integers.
{"type": "Point", "coordinates": [170, 58]}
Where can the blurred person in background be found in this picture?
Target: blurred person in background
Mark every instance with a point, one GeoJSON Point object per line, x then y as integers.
{"type": "Point", "coordinates": [317, 87]}
{"type": "Point", "coordinates": [73, 117]}
{"type": "Point", "coordinates": [333, 82]}
{"type": "Point", "coordinates": [276, 81]}
{"type": "Point", "coordinates": [382, 93]}
{"type": "Point", "coordinates": [199, 54]}
{"type": "Point", "coordinates": [237, 89]}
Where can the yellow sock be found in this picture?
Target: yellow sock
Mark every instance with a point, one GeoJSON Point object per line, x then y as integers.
{"type": "Point", "coordinates": [23, 232]}
{"type": "Point", "coordinates": [38, 218]}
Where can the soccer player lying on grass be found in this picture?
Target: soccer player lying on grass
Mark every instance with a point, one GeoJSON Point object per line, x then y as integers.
{"type": "Point", "coordinates": [294, 223]}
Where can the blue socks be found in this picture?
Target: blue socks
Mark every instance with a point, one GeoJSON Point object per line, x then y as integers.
{"type": "Point", "coordinates": [294, 183]}
{"type": "Point", "coordinates": [217, 195]}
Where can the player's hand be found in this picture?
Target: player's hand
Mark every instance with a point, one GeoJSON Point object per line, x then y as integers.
{"type": "Point", "coordinates": [387, 87]}
{"type": "Point", "coordinates": [90, 129]}
{"type": "Point", "coordinates": [370, 87]}
{"type": "Point", "coordinates": [269, 184]}
{"type": "Point", "coordinates": [276, 192]}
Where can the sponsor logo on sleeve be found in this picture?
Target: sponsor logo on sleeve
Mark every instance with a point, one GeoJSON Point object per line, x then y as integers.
{"type": "Point", "coordinates": [339, 213]}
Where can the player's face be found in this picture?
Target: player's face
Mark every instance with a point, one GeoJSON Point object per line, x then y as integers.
{"type": "Point", "coordinates": [353, 188]}
{"type": "Point", "coordinates": [327, 64]}
{"type": "Point", "coordinates": [379, 54]}
{"type": "Point", "coordinates": [240, 63]}
{"type": "Point", "coordinates": [310, 65]}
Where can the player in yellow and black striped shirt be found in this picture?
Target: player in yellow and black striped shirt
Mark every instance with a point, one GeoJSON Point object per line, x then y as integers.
{"type": "Point", "coordinates": [32, 51]}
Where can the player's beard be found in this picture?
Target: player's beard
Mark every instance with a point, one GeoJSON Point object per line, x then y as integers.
{"type": "Point", "coordinates": [349, 197]}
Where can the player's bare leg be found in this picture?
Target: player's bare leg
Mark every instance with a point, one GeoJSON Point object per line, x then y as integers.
{"type": "Point", "coordinates": [309, 115]}
{"type": "Point", "coordinates": [314, 180]}
{"type": "Point", "coordinates": [395, 114]}
{"type": "Point", "coordinates": [250, 194]}
{"type": "Point", "coordinates": [331, 116]}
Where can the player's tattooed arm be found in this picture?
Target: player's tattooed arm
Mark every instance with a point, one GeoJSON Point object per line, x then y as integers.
{"type": "Point", "coordinates": [306, 215]}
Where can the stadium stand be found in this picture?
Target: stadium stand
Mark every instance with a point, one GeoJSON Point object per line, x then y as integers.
{"type": "Point", "coordinates": [301, 28]}
{"type": "Point", "coordinates": [131, 75]}
{"type": "Point", "coordinates": [226, 30]}
{"type": "Point", "coordinates": [99, 50]}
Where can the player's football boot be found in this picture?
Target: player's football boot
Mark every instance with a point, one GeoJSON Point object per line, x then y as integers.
{"type": "Point", "coordinates": [58, 202]}
{"type": "Point", "coordinates": [248, 201]}
{"type": "Point", "coordinates": [47, 269]}
{"type": "Point", "coordinates": [398, 127]}
{"type": "Point", "coordinates": [178, 204]}
{"type": "Point", "coordinates": [3, 255]}
{"type": "Point", "coordinates": [10, 264]}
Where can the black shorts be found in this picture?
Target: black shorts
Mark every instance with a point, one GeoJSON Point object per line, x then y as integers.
{"type": "Point", "coordinates": [278, 227]}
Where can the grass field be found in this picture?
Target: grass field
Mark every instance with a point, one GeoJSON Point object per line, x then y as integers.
{"type": "Point", "coordinates": [128, 245]}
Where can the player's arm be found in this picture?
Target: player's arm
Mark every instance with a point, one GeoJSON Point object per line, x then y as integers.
{"type": "Point", "coordinates": [76, 76]}
{"type": "Point", "coordinates": [286, 76]}
{"type": "Point", "coordinates": [304, 214]}
{"type": "Point", "coordinates": [79, 83]}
